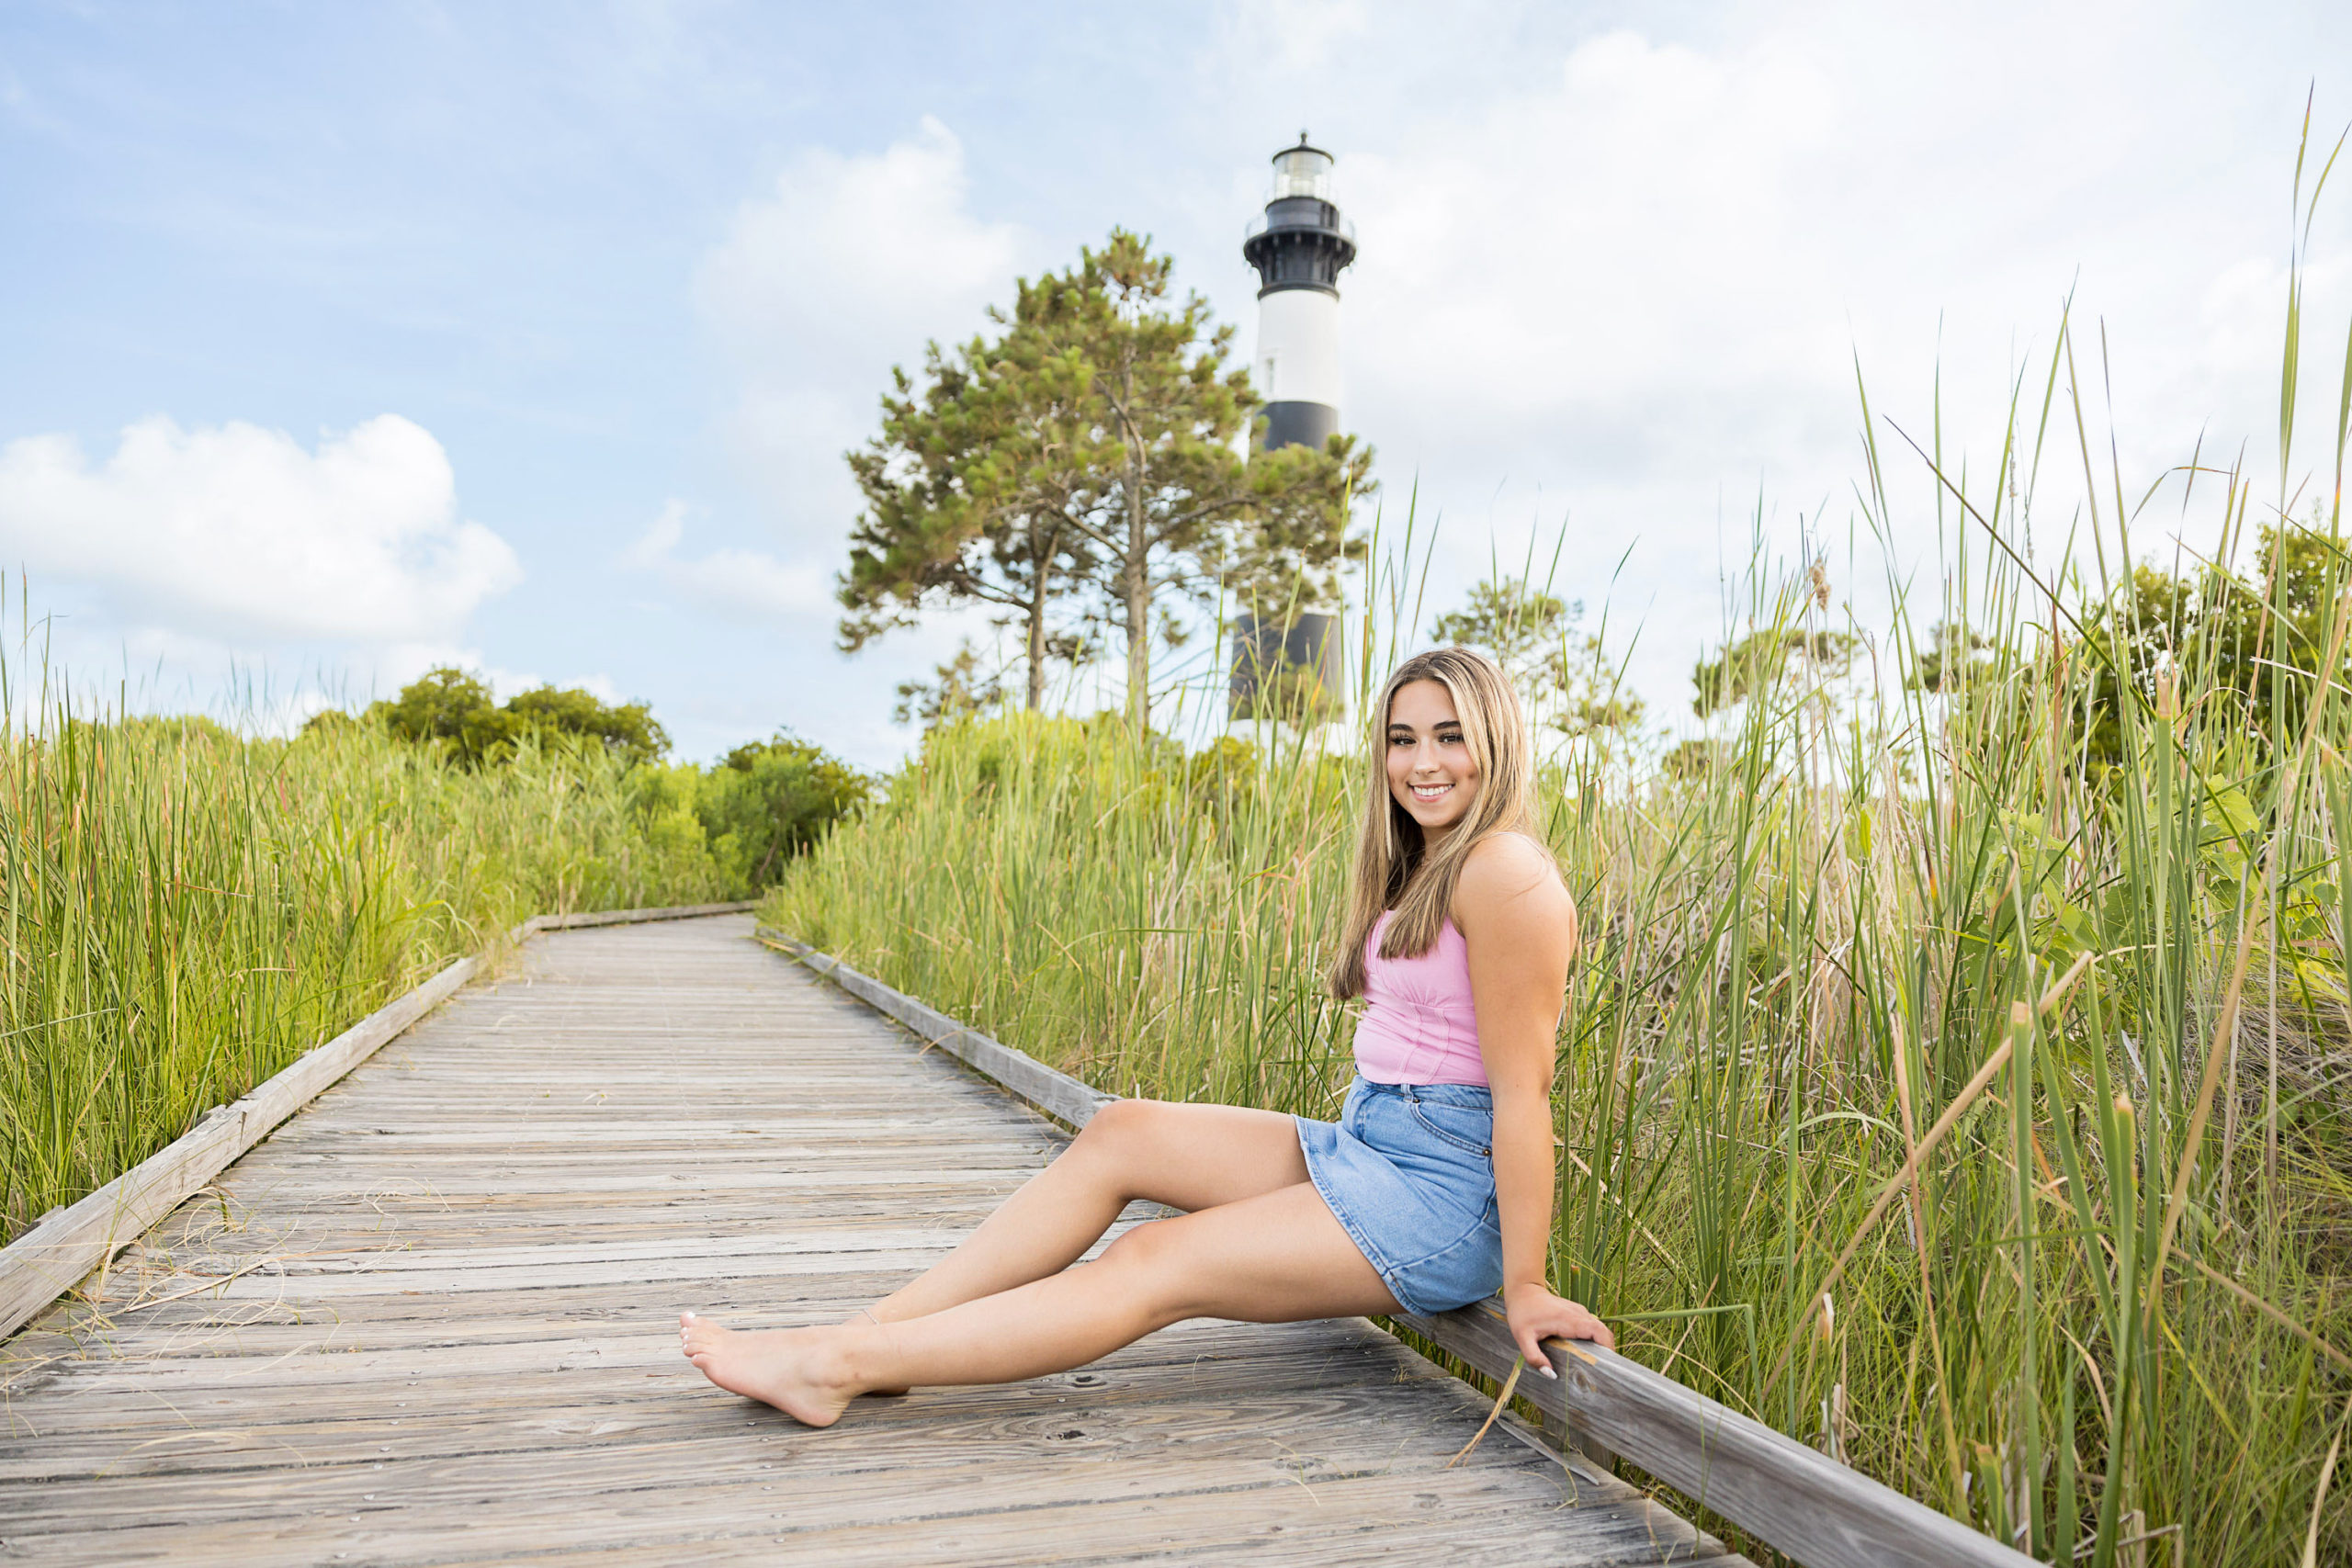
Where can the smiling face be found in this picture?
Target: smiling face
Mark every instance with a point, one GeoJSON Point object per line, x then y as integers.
{"type": "Point", "coordinates": [1430, 772]}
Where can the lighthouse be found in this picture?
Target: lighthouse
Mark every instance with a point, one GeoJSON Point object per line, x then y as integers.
{"type": "Point", "coordinates": [1287, 662]}
{"type": "Point", "coordinates": [1299, 245]}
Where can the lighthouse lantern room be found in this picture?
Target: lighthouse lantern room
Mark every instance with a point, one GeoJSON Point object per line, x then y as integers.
{"type": "Point", "coordinates": [1299, 245]}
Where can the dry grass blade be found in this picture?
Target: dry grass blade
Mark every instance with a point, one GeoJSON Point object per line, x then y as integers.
{"type": "Point", "coordinates": [2319, 1500]}
{"type": "Point", "coordinates": [1510, 1384]}
{"type": "Point", "coordinates": [2272, 1313]}
{"type": "Point", "coordinates": [212, 1284]}
{"type": "Point", "coordinates": [1887, 1193]}
{"type": "Point", "coordinates": [2192, 1142]}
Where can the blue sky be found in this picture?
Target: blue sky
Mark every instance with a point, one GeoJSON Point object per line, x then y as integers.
{"type": "Point", "coordinates": [343, 340]}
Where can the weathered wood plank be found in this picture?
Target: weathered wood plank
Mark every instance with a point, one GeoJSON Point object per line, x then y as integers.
{"type": "Point", "coordinates": [1144, 1415]}
{"type": "Point", "coordinates": [647, 1367]}
{"type": "Point", "coordinates": [464, 1338]}
{"type": "Point", "coordinates": [1056, 1093]}
{"type": "Point", "coordinates": [1077, 1512]}
{"type": "Point", "coordinates": [46, 1261]}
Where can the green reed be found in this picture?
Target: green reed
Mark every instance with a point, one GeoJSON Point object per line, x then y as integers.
{"type": "Point", "coordinates": [2107, 1318]}
{"type": "Point", "coordinates": [183, 911]}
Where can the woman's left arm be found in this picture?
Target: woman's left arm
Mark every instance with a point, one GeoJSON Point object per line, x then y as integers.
{"type": "Point", "coordinates": [1520, 928]}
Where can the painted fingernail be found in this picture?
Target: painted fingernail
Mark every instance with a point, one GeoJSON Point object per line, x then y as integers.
{"type": "Point", "coordinates": [1548, 1371]}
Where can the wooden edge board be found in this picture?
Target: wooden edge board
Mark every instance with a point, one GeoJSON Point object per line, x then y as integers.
{"type": "Point", "coordinates": [1795, 1499]}
{"type": "Point", "coordinates": [46, 1261]}
{"type": "Point", "coordinates": [1060, 1096]}
{"type": "Point", "coordinates": [630, 917]}
{"type": "Point", "coordinates": [51, 1258]}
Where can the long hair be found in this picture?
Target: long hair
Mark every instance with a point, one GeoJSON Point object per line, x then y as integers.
{"type": "Point", "coordinates": [1395, 869]}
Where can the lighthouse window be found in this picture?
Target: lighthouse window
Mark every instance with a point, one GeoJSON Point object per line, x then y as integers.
{"type": "Point", "coordinates": [1303, 172]}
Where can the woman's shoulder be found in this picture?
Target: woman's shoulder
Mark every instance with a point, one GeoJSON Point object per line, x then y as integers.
{"type": "Point", "coordinates": [1509, 857]}
{"type": "Point", "coordinates": [1509, 869]}
{"type": "Point", "coordinates": [1510, 895]}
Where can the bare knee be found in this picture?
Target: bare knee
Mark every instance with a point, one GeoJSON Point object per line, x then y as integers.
{"type": "Point", "coordinates": [1119, 1141]}
{"type": "Point", "coordinates": [1187, 1156]}
{"type": "Point", "coordinates": [1118, 1120]}
{"type": "Point", "coordinates": [1148, 1261]}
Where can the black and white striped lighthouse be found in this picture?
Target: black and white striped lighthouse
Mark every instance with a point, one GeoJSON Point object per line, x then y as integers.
{"type": "Point", "coordinates": [1287, 664]}
{"type": "Point", "coordinates": [1299, 245]}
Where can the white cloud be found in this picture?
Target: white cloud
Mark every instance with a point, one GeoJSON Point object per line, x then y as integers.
{"type": "Point", "coordinates": [746, 585]}
{"type": "Point", "coordinates": [862, 255]}
{"type": "Point", "coordinates": [1574, 260]}
{"type": "Point", "coordinates": [842, 269]}
{"type": "Point", "coordinates": [238, 534]}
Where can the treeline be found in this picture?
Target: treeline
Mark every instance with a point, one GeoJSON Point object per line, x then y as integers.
{"type": "Point", "coordinates": [2232, 658]}
{"type": "Point", "coordinates": [2252, 646]}
{"type": "Point", "coordinates": [749, 813]}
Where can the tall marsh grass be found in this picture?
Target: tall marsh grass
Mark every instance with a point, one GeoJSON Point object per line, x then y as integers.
{"type": "Point", "coordinates": [2080, 922]}
{"type": "Point", "coordinates": [183, 911]}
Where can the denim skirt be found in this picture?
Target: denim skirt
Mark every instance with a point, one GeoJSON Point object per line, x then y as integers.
{"type": "Point", "coordinates": [1410, 1170]}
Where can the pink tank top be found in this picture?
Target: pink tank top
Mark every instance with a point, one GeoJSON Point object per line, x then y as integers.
{"type": "Point", "coordinates": [1420, 1024]}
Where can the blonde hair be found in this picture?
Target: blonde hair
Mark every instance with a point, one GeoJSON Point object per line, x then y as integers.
{"type": "Point", "coordinates": [1394, 868]}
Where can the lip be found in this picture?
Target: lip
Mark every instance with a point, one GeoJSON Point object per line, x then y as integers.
{"type": "Point", "coordinates": [1436, 792]}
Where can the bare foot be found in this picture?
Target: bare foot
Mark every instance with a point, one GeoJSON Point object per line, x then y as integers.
{"type": "Point", "coordinates": [799, 1370]}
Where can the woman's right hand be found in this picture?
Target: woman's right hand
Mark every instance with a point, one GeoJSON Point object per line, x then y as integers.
{"type": "Point", "coordinates": [1536, 1315]}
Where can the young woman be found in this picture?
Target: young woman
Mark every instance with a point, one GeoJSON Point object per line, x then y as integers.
{"type": "Point", "coordinates": [1433, 1190]}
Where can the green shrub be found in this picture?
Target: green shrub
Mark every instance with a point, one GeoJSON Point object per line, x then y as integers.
{"type": "Point", "coordinates": [768, 801]}
{"type": "Point", "coordinates": [453, 709]}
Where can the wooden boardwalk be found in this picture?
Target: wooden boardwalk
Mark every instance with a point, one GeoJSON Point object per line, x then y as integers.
{"type": "Point", "coordinates": [433, 1320]}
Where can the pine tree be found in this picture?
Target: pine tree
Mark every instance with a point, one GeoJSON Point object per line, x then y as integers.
{"type": "Point", "coordinates": [1092, 452]}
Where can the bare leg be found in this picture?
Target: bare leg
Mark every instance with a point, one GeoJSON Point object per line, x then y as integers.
{"type": "Point", "coordinates": [1187, 1156]}
{"type": "Point", "coordinates": [1277, 1257]}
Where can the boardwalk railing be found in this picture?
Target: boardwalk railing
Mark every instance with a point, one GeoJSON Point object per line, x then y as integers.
{"type": "Point", "coordinates": [51, 1258]}
{"type": "Point", "coordinates": [1793, 1498]}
